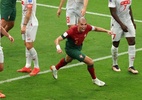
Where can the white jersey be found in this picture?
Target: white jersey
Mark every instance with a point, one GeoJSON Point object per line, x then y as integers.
{"type": "Point", "coordinates": [33, 20]}
{"type": "Point", "coordinates": [74, 4]}
{"type": "Point", "coordinates": [122, 10]}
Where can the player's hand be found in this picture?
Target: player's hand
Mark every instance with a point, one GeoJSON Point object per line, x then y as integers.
{"type": "Point", "coordinates": [23, 29]}
{"type": "Point", "coordinates": [59, 12]}
{"type": "Point", "coordinates": [124, 28]}
{"type": "Point", "coordinates": [83, 11]}
{"type": "Point", "coordinates": [59, 51]}
{"type": "Point", "coordinates": [112, 34]}
{"type": "Point", "coordinates": [11, 38]}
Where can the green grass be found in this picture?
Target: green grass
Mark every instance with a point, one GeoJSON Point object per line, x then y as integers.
{"type": "Point", "coordinates": [74, 83]}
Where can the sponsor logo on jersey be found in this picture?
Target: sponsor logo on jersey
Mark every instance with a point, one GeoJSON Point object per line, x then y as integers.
{"type": "Point", "coordinates": [125, 3]}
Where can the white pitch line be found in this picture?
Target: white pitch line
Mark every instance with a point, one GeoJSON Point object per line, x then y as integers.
{"type": "Point", "coordinates": [68, 66]}
{"type": "Point", "coordinates": [91, 13]}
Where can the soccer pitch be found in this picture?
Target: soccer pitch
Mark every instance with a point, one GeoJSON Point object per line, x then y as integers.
{"type": "Point", "coordinates": [74, 82]}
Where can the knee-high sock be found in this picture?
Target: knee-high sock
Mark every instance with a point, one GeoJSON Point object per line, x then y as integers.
{"type": "Point", "coordinates": [34, 57]}
{"type": "Point", "coordinates": [114, 52]}
{"type": "Point", "coordinates": [61, 63]}
{"type": "Point", "coordinates": [28, 58]}
{"type": "Point", "coordinates": [91, 70]}
{"type": "Point", "coordinates": [131, 53]}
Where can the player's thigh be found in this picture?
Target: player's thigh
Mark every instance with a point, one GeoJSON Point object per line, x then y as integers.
{"type": "Point", "coordinates": [88, 60]}
{"type": "Point", "coordinates": [70, 17]}
{"type": "Point", "coordinates": [76, 54]}
{"type": "Point", "coordinates": [119, 33]}
{"type": "Point", "coordinates": [30, 34]}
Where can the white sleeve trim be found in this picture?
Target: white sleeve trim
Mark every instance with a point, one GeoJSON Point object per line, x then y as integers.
{"type": "Point", "coordinates": [93, 28]}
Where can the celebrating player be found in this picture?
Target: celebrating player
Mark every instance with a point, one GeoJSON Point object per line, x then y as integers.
{"type": "Point", "coordinates": [75, 37]}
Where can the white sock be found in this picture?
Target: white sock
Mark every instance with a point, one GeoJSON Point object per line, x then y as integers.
{"type": "Point", "coordinates": [114, 52]}
{"type": "Point", "coordinates": [131, 53]}
{"type": "Point", "coordinates": [28, 58]}
{"type": "Point", "coordinates": [34, 57]}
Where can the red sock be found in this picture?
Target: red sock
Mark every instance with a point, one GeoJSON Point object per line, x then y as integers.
{"type": "Point", "coordinates": [61, 63]}
{"type": "Point", "coordinates": [92, 71]}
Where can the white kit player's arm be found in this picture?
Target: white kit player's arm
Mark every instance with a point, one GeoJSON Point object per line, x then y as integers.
{"type": "Point", "coordinates": [27, 18]}
{"type": "Point", "coordinates": [112, 7]}
{"type": "Point", "coordinates": [83, 11]}
{"type": "Point", "coordinates": [60, 7]}
{"type": "Point", "coordinates": [131, 14]}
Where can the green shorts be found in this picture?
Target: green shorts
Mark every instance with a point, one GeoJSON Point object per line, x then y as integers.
{"type": "Point", "coordinates": [76, 54]}
{"type": "Point", "coordinates": [8, 14]}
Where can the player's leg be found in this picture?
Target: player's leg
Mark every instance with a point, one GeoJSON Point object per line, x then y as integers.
{"type": "Point", "coordinates": [70, 18]}
{"type": "Point", "coordinates": [9, 26]}
{"type": "Point", "coordinates": [114, 48]}
{"type": "Point", "coordinates": [91, 70]}
{"type": "Point", "coordinates": [30, 38]}
{"type": "Point", "coordinates": [1, 68]}
{"type": "Point", "coordinates": [8, 18]}
{"type": "Point", "coordinates": [130, 36]}
{"type": "Point", "coordinates": [62, 63]}
{"type": "Point", "coordinates": [1, 59]}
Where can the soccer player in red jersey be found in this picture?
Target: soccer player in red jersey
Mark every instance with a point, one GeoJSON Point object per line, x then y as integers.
{"type": "Point", "coordinates": [75, 37]}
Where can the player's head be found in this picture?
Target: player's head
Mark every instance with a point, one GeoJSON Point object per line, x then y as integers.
{"type": "Point", "coordinates": [82, 24]}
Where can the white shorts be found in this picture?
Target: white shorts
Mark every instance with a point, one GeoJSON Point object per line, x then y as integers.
{"type": "Point", "coordinates": [30, 34]}
{"type": "Point", "coordinates": [1, 55]}
{"type": "Point", "coordinates": [120, 33]}
{"type": "Point", "coordinates": [72, 17]}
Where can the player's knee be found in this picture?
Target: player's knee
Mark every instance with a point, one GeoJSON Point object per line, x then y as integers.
{"type": "Point", "coordinates": [90, 66]}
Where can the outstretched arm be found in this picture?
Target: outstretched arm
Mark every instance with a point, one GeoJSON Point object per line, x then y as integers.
{"type": "Point", "coordinates": [99, 29]}
{"type": "Point", "coordinates": [57, 43]}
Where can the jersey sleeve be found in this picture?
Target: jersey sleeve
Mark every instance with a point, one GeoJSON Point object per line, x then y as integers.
{"type": "Point", "coordinates": [111, 4]}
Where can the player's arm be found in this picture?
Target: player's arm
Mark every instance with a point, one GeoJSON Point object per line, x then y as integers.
{"type": "Point", "coordinates": [83, 11]}
{"type": "Point", "coordinates": [99, 29]}
{"type": "Point", "coordinates": [5, 33]}
{"type": "Point", "coordinates": [27, 18]}
{"type": "Point", "coordinates": [60, 7]}
{"type": "Point", "coordinates": [57, 43]}
{"type": "Point", "coordinates": [131, 14]}
{"type": "Point", "coordinates": [114, 15]}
